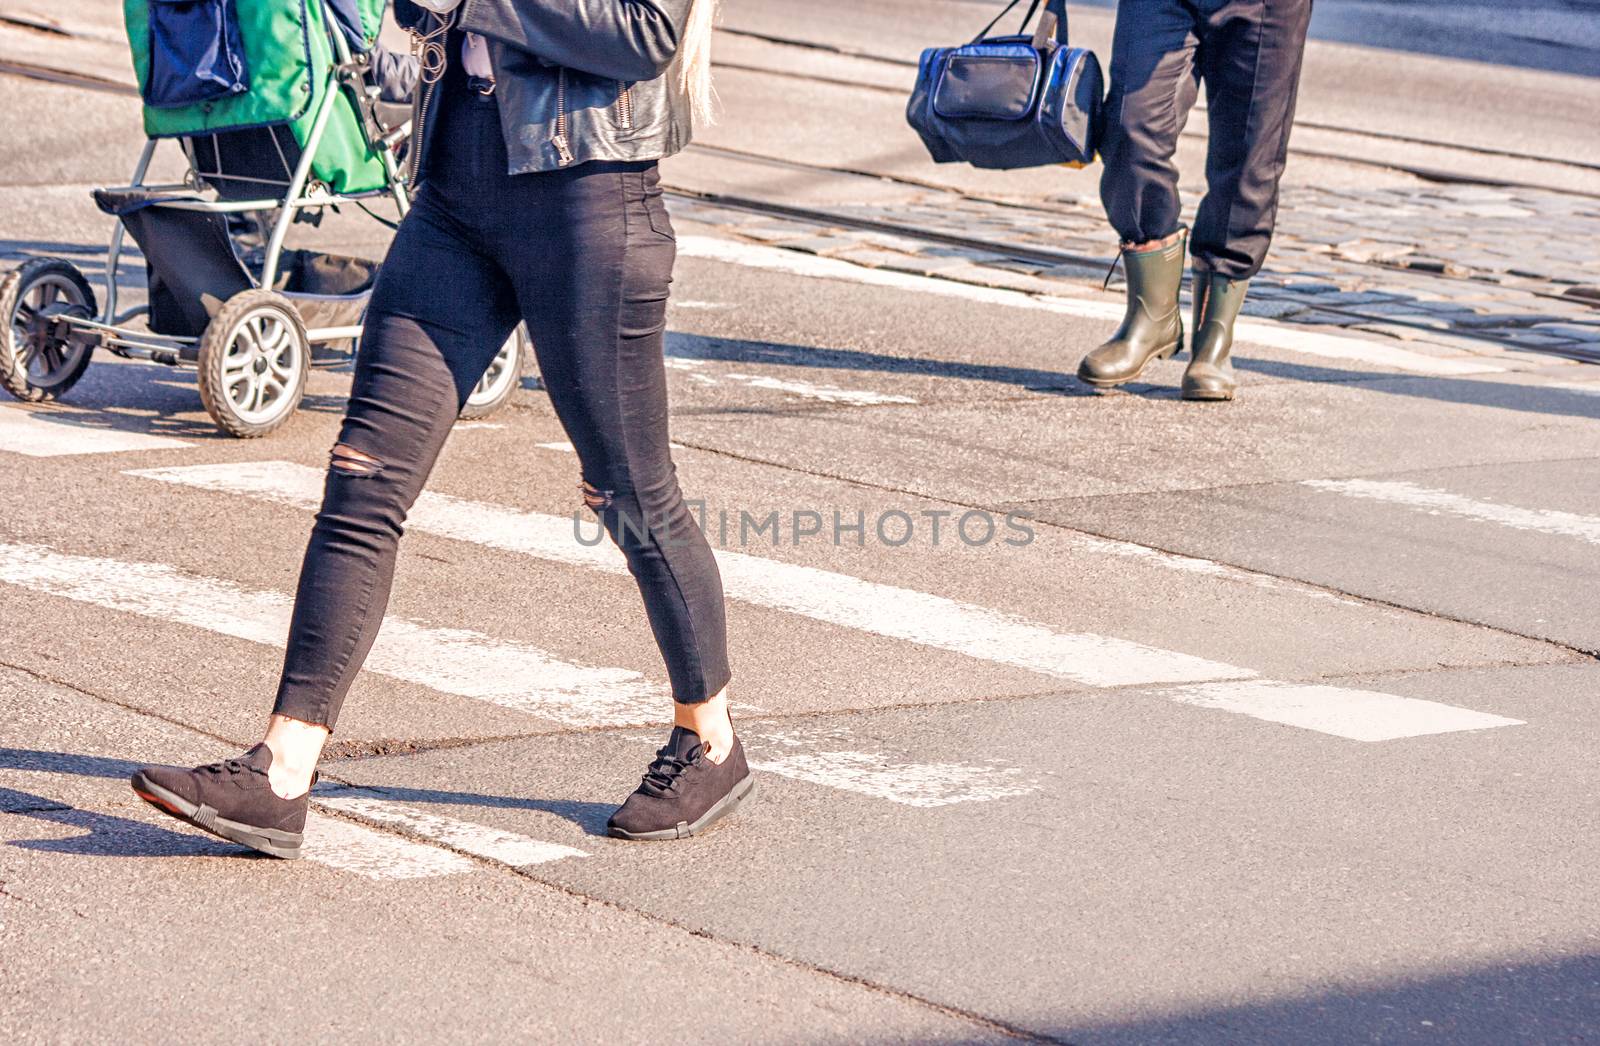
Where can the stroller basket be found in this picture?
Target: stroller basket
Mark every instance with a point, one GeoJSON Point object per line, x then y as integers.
{"type": "Point", "coordinates": [192, 267]}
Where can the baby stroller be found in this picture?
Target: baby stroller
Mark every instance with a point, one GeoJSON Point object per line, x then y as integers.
{"type": "Point", "coordinates": [270, 103]}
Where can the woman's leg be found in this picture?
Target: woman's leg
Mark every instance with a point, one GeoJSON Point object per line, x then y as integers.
{"type": "Point", "coordinates": [439, 313]}
{"type": "Point", "coordinates": [592, 281]}
{"type": "Point", "coordinates": [593, 284]}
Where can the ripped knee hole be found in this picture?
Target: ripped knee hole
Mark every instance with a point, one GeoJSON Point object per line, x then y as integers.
{"type": "Point", "coordinates": [353, 462]}
{"type": "Point", "coordinates": [594, 497]}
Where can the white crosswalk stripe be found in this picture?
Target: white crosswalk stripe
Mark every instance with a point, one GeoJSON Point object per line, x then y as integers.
{"type": "Point", "coordinates": [452, 661]}
{"type": "Point", "coordinates": [1283, 336]}
{"type": "Point", "coordinates": [840, 599]}
{"type": "Point", "coordinates": [473, 665]}
{"type": "Point", "coordinates": [1359, 715]}
{"type": "Point", "coordinates": [821, 392]}
{"type": "Point", "coordinates": [44, 436]}
{"type": "Point", "coordinates": [833, 759]}
{"type": "Point", "coordinates": [1442, 502]}
{"type": "Point", "coordinates": [824, 595]}
{"type": "Point", "coordinates": [479, 840]}
{"type": "Point", "coordinates": [356, 848]}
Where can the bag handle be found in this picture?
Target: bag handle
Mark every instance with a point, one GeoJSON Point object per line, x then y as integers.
{"type": "Point", "coordinates": [985, 30]}
{"type": "Point", "coordinates": [1052, 24]}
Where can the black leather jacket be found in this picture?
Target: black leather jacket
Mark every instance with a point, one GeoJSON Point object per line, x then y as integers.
{"type": "Point", "coordinates": [576, 80]}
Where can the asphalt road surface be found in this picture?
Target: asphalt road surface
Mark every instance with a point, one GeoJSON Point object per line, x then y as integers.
{"type": "Point", "coordinates": [1254, 723]}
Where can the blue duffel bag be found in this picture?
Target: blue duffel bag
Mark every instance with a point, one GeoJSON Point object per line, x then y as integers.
{"type": "Point", "coordinates": [1005, 102]}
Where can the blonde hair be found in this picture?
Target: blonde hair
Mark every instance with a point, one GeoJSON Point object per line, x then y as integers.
{"type": "Point", "coordinates": [694, 62]}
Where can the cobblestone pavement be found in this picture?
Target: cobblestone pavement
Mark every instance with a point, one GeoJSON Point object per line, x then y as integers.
{"type": "Point", "coordinates": [1447, 264]}
{"type": "Point", "coordinates": [1462, 266]}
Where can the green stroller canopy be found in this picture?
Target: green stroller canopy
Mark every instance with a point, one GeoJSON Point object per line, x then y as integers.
{"type": "Point", "coordinates": [211, 66]}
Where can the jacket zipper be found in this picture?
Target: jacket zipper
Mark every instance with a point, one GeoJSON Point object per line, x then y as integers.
{"type": "Point", "coordinates": [560, 140]}
{"type": "Point", "coordinates": [429, 49]}
{"type": "Point", "coordinates": [625, 105]}
{"type": "Point", "coordinates": [419, 117]}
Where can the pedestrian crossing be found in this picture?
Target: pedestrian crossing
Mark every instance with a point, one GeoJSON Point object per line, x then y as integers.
{"type": "Point", "coordinates": [346, 846]}
{"type": "Point", "coordinates": [1434, 501]}
{"type": "Point", "coordinates": [491, 844]}
{"type": "Point", "coordinates": [452, 661]}
{"type": "Point", "coordinates": [821, 392]}
{"type": "Point", "coordinates": [369, 833]}
{"type": "Point", "coordinates": [45, 435]}
{"type": "Point", "coordinates": [884, 610]}
{"type": "Point", "coordinates": [827, 596]}
{"type": "Point", "coordinates": [1281, 336]}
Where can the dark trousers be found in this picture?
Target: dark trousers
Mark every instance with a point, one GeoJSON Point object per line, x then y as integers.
{"type": "Point", "coordinates": [585, 257]}
{"type": "Point", "coordinates": [1248, 52]}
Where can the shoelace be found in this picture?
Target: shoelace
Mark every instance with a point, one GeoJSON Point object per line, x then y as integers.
{"type": "Point", "coordinates": [231, 766]}
{"type": "Point", "coordinates": [663, 774]}
{"type": "Point", "coordinates": [1105, 284]}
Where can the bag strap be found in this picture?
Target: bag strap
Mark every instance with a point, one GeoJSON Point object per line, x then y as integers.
{"type": "Point", "coordinates": [1052, 24]}
{"type": "Point", "coordinates": [985, 30]}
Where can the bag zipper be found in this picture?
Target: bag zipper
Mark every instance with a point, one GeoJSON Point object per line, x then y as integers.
{"type": "Point", "coordinates": [625, 105]}
{"type": "Point", "coordinates": [560, 140]}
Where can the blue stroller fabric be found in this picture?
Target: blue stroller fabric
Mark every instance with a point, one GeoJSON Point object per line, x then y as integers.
{"type": "Point", "coordinates": [196, 53]}
{"type": "Point", "coordinates": [347, 16]}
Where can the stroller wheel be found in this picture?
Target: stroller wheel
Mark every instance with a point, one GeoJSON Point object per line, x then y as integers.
{"type": "Point", "coordinates": [500, 380]}
{"type": "Point", "coordinates": [39, 358]}
{"type": "Point", "coordinates": [253, 362]}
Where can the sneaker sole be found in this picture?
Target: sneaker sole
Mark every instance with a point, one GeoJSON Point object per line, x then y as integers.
{"type": "Point", "coordinates": [270, 841]}
{"type": "Point", "coordinates": [683, 830]}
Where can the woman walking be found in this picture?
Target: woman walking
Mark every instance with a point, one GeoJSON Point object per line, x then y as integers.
{"type": "Point", "coordinates": [539, 126]}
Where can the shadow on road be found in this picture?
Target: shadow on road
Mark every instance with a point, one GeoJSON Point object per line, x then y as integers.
{"type": "Point", "coordinates": [1510, 1002]}
{"type": "Point", "coordinates": [151, 399]}
{"type": "Point", "coordinates": [108, 836]}
{"type": "Point", "coordinates": [1535, 399]}
{"type": "Point", "coordinates": [120, 836]}
{"type": "Point", "coordinates": [734, 350]}
{"type": "Point", "coordinates": [1532, 399]}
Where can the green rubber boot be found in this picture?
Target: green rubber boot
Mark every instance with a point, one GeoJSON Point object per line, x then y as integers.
{"type": "Point", "coordinates": [1217, 299]}
{"type": "Point", "coordinates": [1152, 328]}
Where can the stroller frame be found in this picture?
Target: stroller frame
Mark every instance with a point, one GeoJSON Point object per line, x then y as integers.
{"type": "Point", "coordinates": [301, 193]}
{"type": "Point", "coordinates": [47, 308]}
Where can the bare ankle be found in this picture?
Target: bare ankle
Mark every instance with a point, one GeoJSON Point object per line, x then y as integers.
{"type": "Point", "coordinates": [710, 722]}
{"type": "Point", "coordinates": [296, 747]}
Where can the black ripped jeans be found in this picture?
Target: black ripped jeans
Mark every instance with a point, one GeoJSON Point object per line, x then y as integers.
{"type": "Point", "coordinates": [584, 256]}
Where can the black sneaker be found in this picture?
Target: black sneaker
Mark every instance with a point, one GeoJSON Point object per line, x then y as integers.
{"type": "Point", "coordinates": [232, 799]}
{"type": "Point", "coordinates": [683, 793]}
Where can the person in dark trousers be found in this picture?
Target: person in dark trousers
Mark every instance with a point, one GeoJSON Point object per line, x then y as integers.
{"type": "Point", "coordinates": [539, 126]}
{"type": "Point", "coordinates": [1248, 53]}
